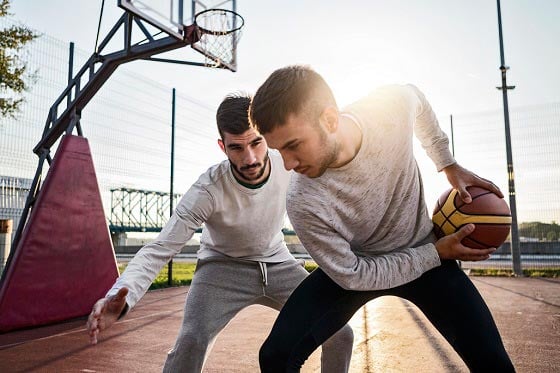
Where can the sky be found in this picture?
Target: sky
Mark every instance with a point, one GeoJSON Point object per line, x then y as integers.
{"type": "Point", "coordinates": [449, 49]}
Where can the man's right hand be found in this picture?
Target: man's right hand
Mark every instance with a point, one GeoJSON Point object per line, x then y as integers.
{"type": "Point", "coordinates": [105, 312]}
{"type": "Point", "coordinates": [450, 247]}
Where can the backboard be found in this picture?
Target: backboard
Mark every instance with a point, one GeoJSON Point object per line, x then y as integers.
{"type": "Point", "coordinates": [175, 18]}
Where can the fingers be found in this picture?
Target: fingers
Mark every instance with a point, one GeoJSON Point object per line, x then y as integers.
{"type": "Point", "coordinates": [92, 324]}
{"type": "Point", "coordinates": [487, 184]}
{"type": "Point", "coordinates": [466, 253]}
{"type": "Point", "coordinates": [95, 314]}
{"type": "Point", "coordinates": [92, 328]}
{"type": "Point", "coordinates": [104, 313]}
{"type": "Point", "coordinates": [98, 307]}
{"type": "Point", "coordinates": [460, 178]}
{"type": "Point", "coordinates": [465, 196]}
{"type": "Point", "coordinates": [451, 247]}
{"type": "Point", "coordinates": [93, 333]}
{"type": "Point", "coordinates": [475, 255]}
{"type": "Point", "coordinates": [115, 305]}
{"type": "Point", "coordinates": [121, 294]}
{"type": "Point", "coordinates": [464, 232]}
{"type": "Point", "coordinates": [93, 337]}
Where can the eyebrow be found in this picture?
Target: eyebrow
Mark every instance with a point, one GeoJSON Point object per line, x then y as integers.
{"type": "Point", "coordinates": [289, 143]}
{"type": "Point", "coordinates": [235, 144]}
{"type": "Point", "coordinates": [259, 138]}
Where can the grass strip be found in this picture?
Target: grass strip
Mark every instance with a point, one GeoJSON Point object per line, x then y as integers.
{"type": "Point", "coordinates": [183, 273]}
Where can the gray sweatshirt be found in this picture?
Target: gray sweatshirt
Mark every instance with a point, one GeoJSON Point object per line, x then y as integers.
{"type": "Point", "coordinates": [239, 222]}
{"type": "Point", "coordinates": [366, 224]}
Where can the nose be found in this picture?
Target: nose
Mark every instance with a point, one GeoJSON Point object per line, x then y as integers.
{"type": "Point", "coordinates": [249, 156]}
{"type": "Point", "coordinates": [290, 162]}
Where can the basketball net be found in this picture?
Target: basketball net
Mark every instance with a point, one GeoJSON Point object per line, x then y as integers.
{"type": "Point", "coordinates": [220, 32]}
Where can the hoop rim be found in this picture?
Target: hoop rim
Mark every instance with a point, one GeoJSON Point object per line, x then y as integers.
{"type": "Point", "coordinates": [218, 33]}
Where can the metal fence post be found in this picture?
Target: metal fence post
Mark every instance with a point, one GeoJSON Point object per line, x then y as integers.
{"type": "Point", "coordinates": [170, 265]}
{"type": "Point", "coordinates": [5, 241]}
{"type": "Point", "coordinates": [515, 251]}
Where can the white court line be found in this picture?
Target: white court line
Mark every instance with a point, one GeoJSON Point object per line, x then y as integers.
{"type": "Point", "coordinates": [128, 320]}
{"type": "Point", "coordinates": [83, 330]}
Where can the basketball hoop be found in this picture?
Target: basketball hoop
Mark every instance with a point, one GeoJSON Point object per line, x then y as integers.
{"type": "Point", "coordinates": [219, 30]}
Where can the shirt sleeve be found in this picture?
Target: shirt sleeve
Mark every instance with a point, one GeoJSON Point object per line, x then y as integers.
{"type": "Point", "coordinates": [426, 128]}
{"type": "Point", "coordinates": [194, 209]}
{"type": "Point", "coordinates": [351, 271]}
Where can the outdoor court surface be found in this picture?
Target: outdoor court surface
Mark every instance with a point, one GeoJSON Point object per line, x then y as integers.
{"type": "Point", "coordinates": [391, 335]}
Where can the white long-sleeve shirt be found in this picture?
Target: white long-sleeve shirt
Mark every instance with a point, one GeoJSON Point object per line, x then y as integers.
{"type": "Point", "coordinates": [239, 222]}
{"type": "Point", "coordinates": [366, 223]}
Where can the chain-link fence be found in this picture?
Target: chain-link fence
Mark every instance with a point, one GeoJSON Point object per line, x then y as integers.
{"type": "Point", "coordinates": [479, 144]}
{"type": "Point", "coordinates": [128, 125]}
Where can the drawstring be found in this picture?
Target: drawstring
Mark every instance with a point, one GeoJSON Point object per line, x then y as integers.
{"type": "Point", "coordinates": [264, 273]}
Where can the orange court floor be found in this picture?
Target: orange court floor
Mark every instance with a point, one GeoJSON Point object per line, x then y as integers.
{"type": "Point", "coordinates": [391, 335]}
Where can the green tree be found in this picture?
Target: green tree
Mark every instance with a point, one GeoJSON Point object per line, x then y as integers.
{"type": "Point", "coordinates": [14, 77]}
{"type": "Point", "coordinates": [540, 230]}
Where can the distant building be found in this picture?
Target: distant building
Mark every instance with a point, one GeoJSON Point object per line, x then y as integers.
{"type": "Point", "coordinates": [528, 239]}
{"type": "Point", "coordinates": [13, 193]}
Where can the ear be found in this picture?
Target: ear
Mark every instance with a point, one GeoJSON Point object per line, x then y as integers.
{"type": "Point", "coordinates": [330, 118]}
{"type": "Point", "coordinates": [222, 145]}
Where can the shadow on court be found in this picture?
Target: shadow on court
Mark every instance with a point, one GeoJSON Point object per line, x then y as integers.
{"type": "Point", "coordinates": [390, 335]}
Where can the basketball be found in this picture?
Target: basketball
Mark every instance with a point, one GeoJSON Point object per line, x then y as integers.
{"type": "Point", "coordinates": [488, 212]}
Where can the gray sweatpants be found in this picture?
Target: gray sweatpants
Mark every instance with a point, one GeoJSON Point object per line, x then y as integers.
{"type": "Point", "coordinates": [223, 287]}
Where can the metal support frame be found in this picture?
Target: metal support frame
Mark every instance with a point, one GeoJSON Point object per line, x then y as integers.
{"type": "Point", "coordinates": [65, 114]}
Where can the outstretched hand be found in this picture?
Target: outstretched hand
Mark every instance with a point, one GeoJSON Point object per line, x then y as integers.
{"type": "Point", "coordinates": [460, 178]}
{"type": "Point", "coordinates": [450, 247]}
{"type": "Point", "coordinates": [105, 312]}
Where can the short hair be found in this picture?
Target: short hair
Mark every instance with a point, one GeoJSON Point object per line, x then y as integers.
{"type": "Point", "coordinates": [289, 90]}
{"type": "Point", "coordinates": [232, 115]}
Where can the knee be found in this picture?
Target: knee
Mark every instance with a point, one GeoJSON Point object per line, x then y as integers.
{"type": "Point", "coordinates": [188, 354]}
{"type": "Point", "coordinates": [343, 339]}
{"type": "Point", "coordinates": [346, 335]}
{"type": "Point", "coordinates": [191, 341]}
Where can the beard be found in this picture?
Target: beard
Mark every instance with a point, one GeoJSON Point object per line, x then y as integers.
{"type": "Point", "coordinates": [328, 154]}
{"type": "Point", "coordinates": [260, 166]}
{"type": "Point", "coordinates": [328, 157]}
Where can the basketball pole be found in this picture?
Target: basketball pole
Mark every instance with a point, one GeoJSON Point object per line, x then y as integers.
{"type": "Point", "coordinates": [515, 252]}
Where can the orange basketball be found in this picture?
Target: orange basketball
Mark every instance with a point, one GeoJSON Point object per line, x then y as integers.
{"type": "Point", "coordinates": [488, 212]}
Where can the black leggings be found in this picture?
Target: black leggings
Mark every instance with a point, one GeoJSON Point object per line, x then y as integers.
{"type": "Point", "coordinates": [319, 307]}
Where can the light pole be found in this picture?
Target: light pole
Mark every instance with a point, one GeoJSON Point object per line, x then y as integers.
{"type": "Point", "coordinates": [515, 253]}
